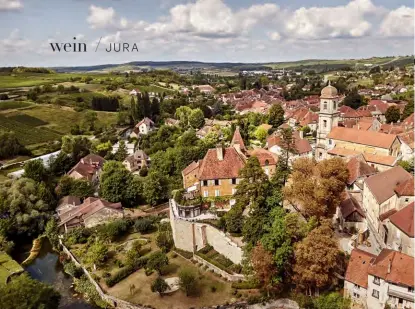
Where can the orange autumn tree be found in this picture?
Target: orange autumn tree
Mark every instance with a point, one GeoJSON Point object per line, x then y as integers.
{"type": "Point", "coordinates": [263, 266]}
{"type": "Point", "coordinates": [316, 187]}
{"type": "Point", "coordinates": [316, 259]}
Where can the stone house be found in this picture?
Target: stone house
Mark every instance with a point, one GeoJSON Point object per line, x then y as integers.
{"type": "Point", "coordinates": [350, 215]}
{"type": "Point", "coordinates": [302, 145]}
{"type": "Point", "coordinates": [89, 168]}
{"type": "Point", "coordinates": [374, 281]}
{"type": "Point", "coordinates": [401, 230]}
{"type": "Point", "coordinates": [407, 145]}
{"type": "Point", "coordinates": [359, 170]}
{"type": "Point", "coordinates": [383, 195]}
{"type": "Point", "coordinates": [67, 203]}
{"type": "Point", "coordinates": [92, 212]}
{"type": "Point", "coordinates": [143, 127]}
{"type": "Point", "coordinates": [136, 161]}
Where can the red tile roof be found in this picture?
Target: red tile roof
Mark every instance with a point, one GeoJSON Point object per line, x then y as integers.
{"type": "Point", "coordinates": [382, 185]}
{"type": "Point", "coordinates": [387, 214]}
{"type": "Point", "coordinates": [380, 105]}
{"type": "Point", "coordinates": [191, 167]}
{"type": "Point", "coordinates": [357, 269]}
{"type": "Point", "coordinates": [407, 138]}
{"type": "Point", "coordinates": [358, 167]}
{"type": "Point", "coordinates": [263, 156]}
{"type": "Point", "coordinates": [404, 219]}
{"type": "Point", "coordinates": [405, 188]}
{"type": "Point", "coordinates": [88, 166]}
{"type": "Point", "coordinates": [393, 266]}
{"type": "Point", "coordinates": [302, 145]}
{"type": "Point", "coordinates": [349, 205]}
{"type": "Point", "coordinates": [213, 168]}
{"type": "Point", "coordinates": [409, 121]}
{"type": "Point", "coordinates": [370, 138]}
{"type": "Point", "coordinates": [237, 139]}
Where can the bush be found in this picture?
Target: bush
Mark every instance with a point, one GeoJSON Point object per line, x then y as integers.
{"type": "Point", "coordinates": [74, 271]}
{"type": "Point", "coordinates": [126, 271]}
{"type": "Point", "coordinates": [186, 254]}
{"type": "Point", "coordinates": [114, 229]}
{"type": "Point", "coordinates": [188, 281]}
{"type": "Point", "coordinates": [254, 300]}
{"type": "Point", "coordinates": [164, 241]}
{"type": "Point", "coordinates": [245, 285]}
{"type": "Point", "coordinates": [148, 272]}
{"type": "Point", "coordinates": [143, 225]}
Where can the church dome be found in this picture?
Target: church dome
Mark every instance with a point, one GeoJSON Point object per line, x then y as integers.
{"type": "Point", "coordinates": [329, 92]}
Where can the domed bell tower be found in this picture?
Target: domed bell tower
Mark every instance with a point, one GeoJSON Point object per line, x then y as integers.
{"type": "Point", "coordinates": [328, 117]}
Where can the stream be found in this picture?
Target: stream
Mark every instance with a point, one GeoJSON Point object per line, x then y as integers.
{"type": "Point", "coordinates": [47, 268]}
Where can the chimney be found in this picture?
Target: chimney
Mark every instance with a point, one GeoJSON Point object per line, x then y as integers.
{"type": "Point", "coordinates": [301, 134]}
{"type": "Point", "coordinates": [219, 152]}
{"type": "Point", "coordinates": [389, 266]}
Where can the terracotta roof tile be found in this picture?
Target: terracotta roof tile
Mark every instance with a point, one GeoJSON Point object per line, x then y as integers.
{"type": "Point", "coordinates": [370, 158]}
{"type": "Point", "coordinates": [382, 185]}
{"type": "Point", "coordinates": [191, 167]}
{"type": "Point", "coordinates": [404, 219]}
{"type": "Point", "coordinates": [358, 167]}
{"type": "Point", "coordinates": [237, 139]}
{"type": "Point", "coordinates": [394, 267]}
{"type": "Point", "coordinates": [387, 214]}
{"type": "Point", "coordinates": [370, 138]}
{"type": "Point", "coordinates": [213, 168]}
{"type": "Point", "coordinates": [357, 269]}
{"type": "Point", "coordinates": [264, 155]}
{"type": "Point", "coordinates": [405, 188]}
{"type": "Point", "coordinates": [407, 138]}
{"type": "Point", "coordinates": [349, 205]}
{"type": "Point", "coordinates": [409, 121]}
{"type": "Point", "coordinates": [302, 145]}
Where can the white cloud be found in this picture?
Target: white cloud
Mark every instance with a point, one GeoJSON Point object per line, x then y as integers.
{"type": "Point", "coordinates": [398, 23]}
{"type": "Point", "coordinates": [100, 18]}
{"type": "Point", "coordinates": [14, 43]}
{"type": "Point", "coordinates": [274, 36]}
{"type": "Point", "coordinates": [331, 22]}
{"type": "Point", "coordinates": [10, 5]}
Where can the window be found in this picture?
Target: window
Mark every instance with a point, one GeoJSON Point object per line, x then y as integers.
{"type": "Point", "coordinates": [320, 155]}
{"type": "Point", "coordinates": [217, 193]}
{"type": "Point", "coordinates": [334, 105]}
{"type": "Point", "coordinates": [233, 181]}
{"type": "Point", "coordinates": [407, 200]}
{"type": "Point", "coordinates": [325, 105]}
{"type": "Point", "coordinates": [205, 193]}
{"type": "Point", "coordinates": [205, 183]}
{"type": "Point", "coordinates": [330, 141]}
{"type": "Point", "coordinates": [376, 280]}
{"type": "Point", "coordinates": [355, 295]}
{"type": "Point", "coordinates": [410, 289]}
{"type": "Point", "coordinates": [233, 191]}
{"type": "Point", "coordinates": [216, 182]}
{"type": "Point", "coordinates": [356, 287]}
{"type": "Point", "coordinates": [325, 123]}
{"type": "Point", "coordinates": [266, 162]}
{"type": "Point", "coordinates": [375, 294]}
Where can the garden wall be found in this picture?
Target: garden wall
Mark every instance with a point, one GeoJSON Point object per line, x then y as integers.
{"type": "Point", "coordinates": [234, 277]}
{"type": "Point", "coordinates": [111, 300]}
{"type": "Point", "coordinates": [193, 236]}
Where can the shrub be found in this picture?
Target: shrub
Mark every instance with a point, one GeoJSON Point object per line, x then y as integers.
{"type": "Point", "coordinates": [157, 260]}
{"type": "Point", "coordinates": [159, 285]}
{"type": "Point", "coordinates": [114, 229]}
{"type": "Point", "coordinates": [253, 299]}
{"type": "Point", "coordinates": [188, 281]}
{"type": "Point", "coordinates": [143, 225]}
{"type": "Point", "coordinates": [164, 241]}
{"type": "Point", "coordinates": [186, 254]}
{"type": "Point", "coordinates": [148, 272]}
{"type": "Point", "coordinates": [74, 271]}
{"type": "Point", "coordinates": [245, 285]}
{"type": "Point", "coordinates": [126, 271]}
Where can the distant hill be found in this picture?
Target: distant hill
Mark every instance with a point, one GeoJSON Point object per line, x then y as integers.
{"type": "Point", "coordinates": [319, 65]}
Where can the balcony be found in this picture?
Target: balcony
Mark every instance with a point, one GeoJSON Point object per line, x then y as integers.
{"type": "Point", "coordinates": [400, 292]}
{"type": "Point", "coordinates": [188, 204]}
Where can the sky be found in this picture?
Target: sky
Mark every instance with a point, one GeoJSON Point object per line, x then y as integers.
{"type": "Point", "coordinates": [202, 30]}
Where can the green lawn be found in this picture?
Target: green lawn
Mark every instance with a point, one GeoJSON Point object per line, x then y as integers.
{"type": "Point", "coordinates": [5, 105]}
{"type": "Point", "coordinates": [8, 266]}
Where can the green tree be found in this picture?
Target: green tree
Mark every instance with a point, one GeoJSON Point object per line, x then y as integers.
{"type": "Point", "coordinates": [183, 114]}
{"type": "Point", "coordinates": [276, 115]}
{"type": "Point", "coordinates": [261, 134]}
{"type": "Point", "coordinates": [407, 165]}
{"type": "Point", "coordinates": [52, 232]}
{"type": "Point", "coordinates": [354, 100]}
{"type": "Point", "coordinates": [60, 88]}
{"type": "Point", "coordinates": [157, 260]}
{"type": "Point", "coordinates": [155, 188]}
{"type": "Point", "coordinates": [283, 169]}
{"type": "Point", "coordinates": [22, 292]}
{"type": "Point", "coordinates": [6, 245]}
{"type": "Point", "coordinates": [159, 286]}
{"type": "Point", "coordinates": [34, 169]}
{"type": "Point", "coordinates": [10, 145]}
{"type": "Point", "coordinates": [90, 119]}
{"type": "Point", "coordinates": [333, 300]}
{"type": "Point", "coordinates": [81, 188]}
{"type": "Point", "coordinates": [196, 118]}
{"type": "Point", "coordinates": [121, 153]}
{"type": "Point", "coordinates": [188, 281]}
{"type": "Point", "coordinates": [392, 114]}
{"type": "Point", "coordinates": [97, 253]}
{"type": "Point", "coordinates": [408, 109]}
{"type": "Point", "coordinates": [164, 241]}
{"type": "Point", "coordinates": [78, 147]}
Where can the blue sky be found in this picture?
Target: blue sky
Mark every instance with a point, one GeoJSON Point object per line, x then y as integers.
{"type": "Point", "coordinates": [204, 30]}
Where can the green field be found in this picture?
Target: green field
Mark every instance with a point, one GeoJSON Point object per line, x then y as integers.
{"type": "Point", "coordinates": [29, 120]}
{"type": "Point", "coordinates": [5, 105]}
{"type": "Point", "coordinates": [16, 80]}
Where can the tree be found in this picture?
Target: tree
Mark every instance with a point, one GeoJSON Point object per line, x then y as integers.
{"type": "Point", "coordinates": [164, 241]}
{"type": "Point", "coordinates": [159, 286]}
{"type": "Point", "coordinates": [6, 245]}
{"type": "Point", "coordinates": [188, 281]}
{"type": "Point", "coordinates": [143, 225]}
{"type": "Point", "coordinates": [407, 111]}
{"type": "Point", "coordinates": [60, 164]}
{"type": "Point", "coordinates": [316, 258]}
{"type": "Point", "coordinates": [261, 134]}
{"type": "Point", "coordinates": [407, 165]}
{"type": "Point", "coordinates": [283, 169]}
{"type": "Point", "coordinates": [276, 115]}
{"type": "Point", "coordinates": [61, 88]}
{"type": "Point", "coordinates": [155, 188]}
{"type": "Point", "coordinates": [121, 153]}
{"type": "Point", "coordinates": [317, 187]}
{"type": "Point", "coordinates": [183, 114]}
{"type": "Point", "coordinates": [196, 118]}
{"type": "Point", "coordinates": [97, 253]}
{"type": "Point", "coordinates": [333, 300]}
{"type": "Point", "coordinates": [90, 119]}
{"type": "Point", "coordinates": [354, 100]}
{"type": "Point", "coordinates": [263, 265]}
{"type": "Point", "coordinates": [78, 147]}
{"type": "Point", "coordinates": [157, 261]}
{"type": "Point", "coordinates": [234, 219]}
{"type": "Point", "coordinates": [34, 169]}
{"type": "Point", "coordinates": [22, 292]}
{"type": "Point", "coordinates": [26, 212]}
{"type": "Point", "coordinates": [392, 114]}
{"type": "Point", "coordinates": [52, 232]}
{"type": "Point", "coordinates": [81, 188]}
{"type": "Point", "coordinates": [10, 145]}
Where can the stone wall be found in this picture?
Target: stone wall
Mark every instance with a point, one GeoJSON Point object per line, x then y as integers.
{"type": "Point", "coordinates": [111, 300]}
{"type": "Point", "coordinates": [193, 236]}
{"type": "Point", "coordinates": [234, 277]}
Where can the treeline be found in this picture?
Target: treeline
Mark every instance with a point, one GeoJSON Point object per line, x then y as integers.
{"type": "Point", "coordinates": [108, 104]}
{"type": "Point", "coordinates": [32, 70]}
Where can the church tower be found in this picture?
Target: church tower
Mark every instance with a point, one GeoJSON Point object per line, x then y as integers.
{"type": "Point", "coordinates": [328, 117]}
